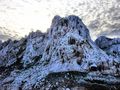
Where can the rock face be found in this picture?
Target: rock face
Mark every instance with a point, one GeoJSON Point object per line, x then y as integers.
{"type": "Point", "coordinates": [64, 57]}
{"type": "Point", "coordinates": [110, 46]}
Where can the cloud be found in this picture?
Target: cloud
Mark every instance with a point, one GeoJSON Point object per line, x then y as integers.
{"type": "Point", "coordinates": [23, 16]}
{"type": "Point", "coordinates": [8, 34]}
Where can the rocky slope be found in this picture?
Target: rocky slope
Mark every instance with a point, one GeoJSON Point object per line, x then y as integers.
{"type": "Point", "coordinates": [63, 58]}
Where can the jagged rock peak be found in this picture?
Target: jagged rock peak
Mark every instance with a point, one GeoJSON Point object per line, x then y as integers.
{"type": "Point", "coordinates": [36, 34]}
{"type": "Point", "coordinates": [104, 42]}
{"type": "Point", "coordinates": [109, 45]}
{"type": "Point", "coordinates": [69, 42]}
{"type": "Point", "coordinates": [60, 26]}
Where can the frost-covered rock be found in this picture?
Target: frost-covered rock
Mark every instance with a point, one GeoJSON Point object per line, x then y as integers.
{"type": "Point", "coordinates": [11, 52]}
{"type": "Point", "coordinates": [109, 45]}
{"type": "Point", "coordinates": [70, 46]}
{"type": "Point", "coordinates": [64, 57]}
{"type": "Point", "coordinates": [36, 42]}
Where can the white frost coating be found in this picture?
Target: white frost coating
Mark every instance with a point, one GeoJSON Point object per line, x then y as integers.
{"type": "Point", "coordinates": [35, 47]}
{"type": "Point", "coordinates": [110, 46]}
{"type": "Point", "coordinates": [67, 46]}
{"type": "Point", "coordinates": [30, 52]}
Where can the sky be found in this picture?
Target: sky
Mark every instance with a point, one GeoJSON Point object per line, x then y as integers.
{"type": "Point", "coordinates": [19, 17]}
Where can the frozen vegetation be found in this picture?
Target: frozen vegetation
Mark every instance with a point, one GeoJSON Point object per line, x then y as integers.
{"type": "Point", "coordinates": [64, 57]}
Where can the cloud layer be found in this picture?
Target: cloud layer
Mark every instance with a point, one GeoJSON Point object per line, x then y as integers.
{"type": "Point", "coordinates": [19, 17]}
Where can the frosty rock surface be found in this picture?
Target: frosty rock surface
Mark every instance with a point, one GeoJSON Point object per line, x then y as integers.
{"type": "Point", "coordinates": [110, 46]}
{"type": "Point", "coordinates": [66, 50]}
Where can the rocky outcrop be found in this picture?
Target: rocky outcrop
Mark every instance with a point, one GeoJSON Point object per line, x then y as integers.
{"type": "Point", "coordinates": [11, 53]}
{"type": "Point", "coordinates": [64, 57]}
{"type": "Point", "coordinates": [36, 42]}
{"type": "Point", "coordinates": [110, 46]}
